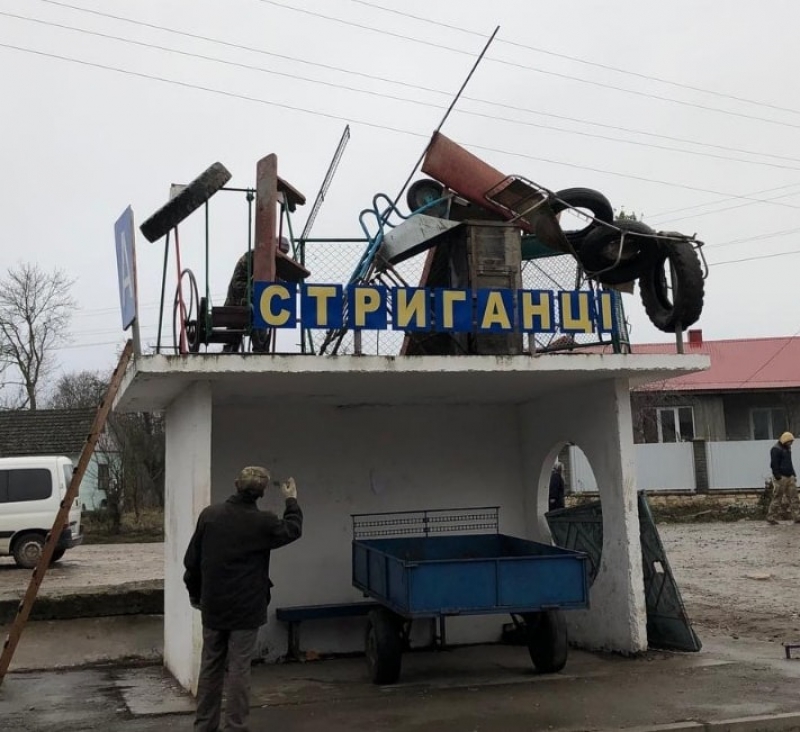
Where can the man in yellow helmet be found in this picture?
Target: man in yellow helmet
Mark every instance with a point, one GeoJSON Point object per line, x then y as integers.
{"type": "Point", "coordinates": [784, 480]}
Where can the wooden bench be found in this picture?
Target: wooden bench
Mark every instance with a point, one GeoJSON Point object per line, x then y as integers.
{"type": "Point", "coordinates": [294, 616]}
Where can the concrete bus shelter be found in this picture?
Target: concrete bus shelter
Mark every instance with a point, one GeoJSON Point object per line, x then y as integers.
{"type": "Point", "coordinates": [367, 434]}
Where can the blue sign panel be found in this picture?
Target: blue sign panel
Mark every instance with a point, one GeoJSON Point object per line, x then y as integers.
{"type": "Point", "coordinates": [274, 305]}
{"type": "Point", "coordinates": [126, 266]}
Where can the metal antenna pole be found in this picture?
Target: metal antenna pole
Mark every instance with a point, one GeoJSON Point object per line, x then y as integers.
{"type": "Point", "coordinates": [447, 113]}
{"type": "Point", "coordinates": [326, 182]}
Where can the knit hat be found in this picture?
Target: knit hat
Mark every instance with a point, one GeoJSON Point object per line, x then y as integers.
{"type": "Point", "coordinates": [786, 438]}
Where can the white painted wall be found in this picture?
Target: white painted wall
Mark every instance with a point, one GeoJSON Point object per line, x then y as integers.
{"type": "Point", "coordinates": [361, 459]}
{"type": "Point", "coordinates": [188, 491]}
{"type": "Point", "coordinates": [598, 418]}
{"type": "Point", "coordinates": [659, 467]}
{"type": "Point", "coordinates": [742, 464]}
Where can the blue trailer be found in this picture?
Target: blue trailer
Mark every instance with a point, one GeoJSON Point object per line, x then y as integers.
{"type": "Point", "coordinates": [434, 564]}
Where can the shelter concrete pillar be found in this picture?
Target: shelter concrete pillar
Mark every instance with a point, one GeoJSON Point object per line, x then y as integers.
{"type": "Point", "coordinates": [597, 418]}
{"type": "Point", "coordinates": [187, 492]}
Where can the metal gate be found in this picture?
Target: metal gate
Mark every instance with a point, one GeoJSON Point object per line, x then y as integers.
{"type": "Point", "coordinates": [581, 529]}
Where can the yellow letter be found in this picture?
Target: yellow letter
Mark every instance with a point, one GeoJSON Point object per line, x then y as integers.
{"type": "Point", "coordinates": [272, 319]}
{"type": "Point", "coordinates": [366, 300]}
{"type": "Point", "coordinates": [449, 298]}
{"type": "Point", "coordinates": [409, 308]}
{"type": "Point", "coordinates": [543, 309]}
{"type": "Point", "coordinates": [606, 315]}
{"type": "Point", "coordinates": [495, 312]}
{"type": "Point", "coordinates": [321, 293]}
{"type": "Point", "coordinates": [581, 323]}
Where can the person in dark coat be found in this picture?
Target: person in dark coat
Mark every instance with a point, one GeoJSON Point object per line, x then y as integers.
{"type": "Point", "coordinates": [784, 480]}
{"type": "Point", "coordinates": [557, 488]}
{"type": "Point", "coordinates": [227, 576]}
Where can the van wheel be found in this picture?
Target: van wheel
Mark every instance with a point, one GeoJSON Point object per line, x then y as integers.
{"type": "Point", "coordinates": [28, 550]}
{"type": "Point", "coordinates": [57, 554]}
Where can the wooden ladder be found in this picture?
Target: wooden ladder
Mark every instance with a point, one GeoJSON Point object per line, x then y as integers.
{"type": "Point", "coordinates": [25, 606]}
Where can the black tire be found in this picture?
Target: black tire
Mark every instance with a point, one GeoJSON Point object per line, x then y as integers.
{"type": "Point", "coordinates": [188, 200]}
{"type": "Point", "coordinates": [684, 306]}
{"type": "Point", "coordinates": [546, 634]}
{"type": "Point", "coordinates": [57, 555]}
{"type": "Point", "coordinates": [587, 198]}
{"type": "Point", "coordinates": [28, 550]}
{"type": "Point", "coordinates": [600, 248]}
{"type": "Point", "coordinates": [384, 646]}
{"type": "Point", "coordinates": [424, 191]}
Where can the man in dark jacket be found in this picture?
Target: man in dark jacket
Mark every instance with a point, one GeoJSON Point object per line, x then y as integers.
{"type": "Point", "coordinates": [555, 499]}
{"type": "Point", "coordinates": [784, 480]}
{"type": "Point", "coordinates": [227, 576]}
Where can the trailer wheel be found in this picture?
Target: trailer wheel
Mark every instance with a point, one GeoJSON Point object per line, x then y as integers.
{"type": "Point", "coordinates": [194, 195]}
{"type": "Point", "coordinates": [546, 634]}
{"type": "Point", "coordinates": [384, 646]}
{"type": "Point", "coordinates": [676, 299]}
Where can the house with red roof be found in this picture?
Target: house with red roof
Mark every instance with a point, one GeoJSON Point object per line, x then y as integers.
{"type": "Point", "coordinates": [750, 392]}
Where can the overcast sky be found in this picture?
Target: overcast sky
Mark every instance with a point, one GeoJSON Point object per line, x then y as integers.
{"type": "Point", "coordinates": [706, 90]}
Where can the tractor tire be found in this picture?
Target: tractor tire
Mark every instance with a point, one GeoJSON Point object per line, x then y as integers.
{"type": "Point", "coordinates": [546, 635]}
{"type": "Point", "coordinates": [384, 646]}
{"type": "Point", "coordinates": [188, 200]}
{"type": "Point", "coordinates": [686, 304]}
{"type": "Point", "coordinates": [587, 198]}
{"type": "Point", "coordinates": [28, 550]}
{"type": "Point", "coordinates": [600, 248]}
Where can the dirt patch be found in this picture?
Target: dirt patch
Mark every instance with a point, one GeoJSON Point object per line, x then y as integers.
{"type": "Point", "coordinates": [740, 579]}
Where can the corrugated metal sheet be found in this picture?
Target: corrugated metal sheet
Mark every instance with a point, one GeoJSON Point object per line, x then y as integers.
{"type": "Point", "coordinates": [753, 363]}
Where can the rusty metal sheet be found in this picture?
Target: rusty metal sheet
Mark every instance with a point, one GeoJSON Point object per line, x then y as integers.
{"type": "Point", "coordinates": [485, 186]}
{"type": "Point", "coordinates": [266, 239]}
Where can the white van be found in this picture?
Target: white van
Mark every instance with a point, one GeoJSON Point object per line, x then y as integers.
{"type": "Point", "coordinates": [31, 490]}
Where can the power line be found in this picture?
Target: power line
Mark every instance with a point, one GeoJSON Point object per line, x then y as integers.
{"type": "Point", "coordinates": [730, 208]}
{"type": "Point", "coordinates": [525, 67]}
{"type": "Point", "coordinates": [661, 214]}
{"type": "Point", "coordinates": [199, 87]}
{"type": "Point", "coordinates": [406, 100]}
{"type": "Point", "coordinates": [418, 87]}
{"type": "Point", "coordinates": [327, 115]}
{"type": "Point", "coordinates": [753, 259]}
{"type": "Point", "coordinates": [576, 59]}
{"type": "Point", "coordinates": [771, 358]}
{"type": "Point", "coordinates": [756, 237]}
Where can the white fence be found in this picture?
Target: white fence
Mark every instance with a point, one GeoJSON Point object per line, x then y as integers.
{"type": "Point", "coordinates": [738, 464]}
{"type": "Point", "coordinates": [670, 466]}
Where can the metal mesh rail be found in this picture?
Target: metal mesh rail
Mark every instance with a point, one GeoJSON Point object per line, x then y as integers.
{"type": "Point", "coordinates": [480, 520]}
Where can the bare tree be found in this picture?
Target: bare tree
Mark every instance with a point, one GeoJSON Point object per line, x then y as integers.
{"type": "Point", "coordinates": [79, 389]}
{"type": "Point", "coordinates": [35, 312]}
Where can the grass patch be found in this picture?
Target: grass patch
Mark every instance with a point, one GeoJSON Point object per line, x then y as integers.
{"type": "Point", "coordinates": [147, 527]}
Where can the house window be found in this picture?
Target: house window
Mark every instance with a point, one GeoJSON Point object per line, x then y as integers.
{"type": "Point", "coordinates": [675, 424]}
{"type": "Point", "coordinates": [767, 423]}
{"type": "Point", "coordinates": [103, 476]}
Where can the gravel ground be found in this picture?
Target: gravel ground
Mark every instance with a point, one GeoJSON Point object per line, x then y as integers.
{"type": "Point", "coordinates": [739, 579]}
{"type": "Point", "coordinates": [95, 565]}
